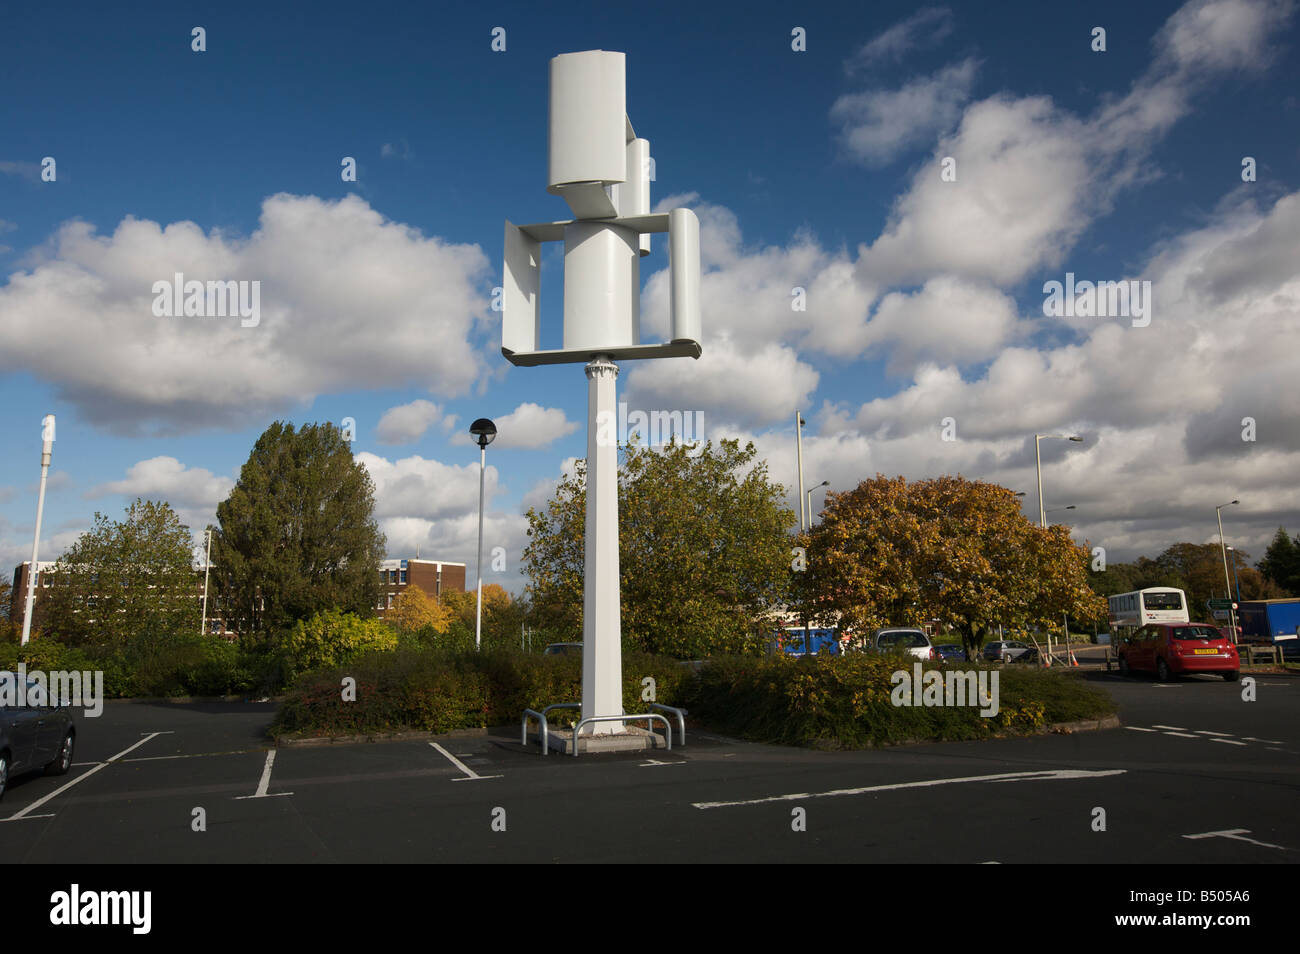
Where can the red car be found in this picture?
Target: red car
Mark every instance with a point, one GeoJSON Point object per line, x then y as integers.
{"type": "Point", "coordinates": [1176, 649]}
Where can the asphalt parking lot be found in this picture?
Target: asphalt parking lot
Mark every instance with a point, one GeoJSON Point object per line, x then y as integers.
{"type": "Point", "coordinates": [1195, 776]}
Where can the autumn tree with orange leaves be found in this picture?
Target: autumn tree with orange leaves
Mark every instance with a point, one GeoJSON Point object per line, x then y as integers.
{"type": "Point", "coordinates": [890, 553]}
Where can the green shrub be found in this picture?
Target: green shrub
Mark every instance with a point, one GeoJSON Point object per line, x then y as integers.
{"type": "Point", "coordinates": [332, 638]}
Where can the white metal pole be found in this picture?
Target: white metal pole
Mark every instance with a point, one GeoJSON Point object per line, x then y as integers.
{"type": "Point", "coordinates": [602, 647]}
{"type": "Point", "coordinates": [1232, 615]}
{"type": "Point", "coordinates": [478, 615]}
{"type": "Point", "coordinates": [798, 439]}
{"type": "Point", "coordinates": [47, 449]}
{"type": "Point", "coordinates": [207, 565]}
{"type": "Point", "coordinates": [1038, 463]}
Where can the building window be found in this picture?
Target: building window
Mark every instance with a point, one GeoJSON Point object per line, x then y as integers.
{"type": "Point", "coordinates": [403, 576]}
{"type": "Point", "coordinates": [390, 601]}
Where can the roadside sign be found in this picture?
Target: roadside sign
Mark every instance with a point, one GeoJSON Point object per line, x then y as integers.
{"type": "Point", "coordinates": [1220, 604]}
{"type": "Point", "coordinates": [1221, 614]}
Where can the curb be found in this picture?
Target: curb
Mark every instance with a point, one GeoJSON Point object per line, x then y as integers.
{"type": "Point", "coordinates": [189, 700]}
{"type": "Point", "coordinates": [286, 742]}
{"type": "Point", "coordinates": [1082, 725]}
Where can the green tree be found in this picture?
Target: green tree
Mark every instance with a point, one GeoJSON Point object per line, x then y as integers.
{"type": "Point", "coordinates": [704, 551]}
{"type": "Point", "coordinates": [893, 553]}
{"type": "Point", "coordinates": [127, 584]}
{"type": "Point", "coordinates": [1281, 562]}
{"type": "Point", "coordinates": [297, 534]}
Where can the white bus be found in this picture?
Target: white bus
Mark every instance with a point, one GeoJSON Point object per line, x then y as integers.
{"type": "Point", "coordinates": [1155, 604]}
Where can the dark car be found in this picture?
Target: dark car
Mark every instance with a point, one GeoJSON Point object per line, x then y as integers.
{"type": "Point", "coordinates": [33, 736]}
{"type": "Point", "coordinates": [1175, 649]}
{"type": "Point", "coordinates": [563, 649]}
{"type": "Point", "coordinates": [948, 651]}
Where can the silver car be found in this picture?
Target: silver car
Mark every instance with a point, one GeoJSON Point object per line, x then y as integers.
{"type": "Point", "coordinates": [1005, 650]}
{"type": "Point", "coordinates": [33, 737]}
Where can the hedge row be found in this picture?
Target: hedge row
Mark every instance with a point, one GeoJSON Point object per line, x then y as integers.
{"type": "Point", "coordinates": [438, 691]}
{"type": "Point", "coordinates": [186, 666]}
{"type": "Point", "coordinates": [847, 701]}
{"type": "Point", "coordinates": [824, 701]}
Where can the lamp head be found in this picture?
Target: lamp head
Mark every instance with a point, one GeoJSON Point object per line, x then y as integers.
{"type": "Point", "coordinates": [484, 430]}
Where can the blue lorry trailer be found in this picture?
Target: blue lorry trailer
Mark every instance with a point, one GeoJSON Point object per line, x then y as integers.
{"type": "Point", "coordinates": [1271, 623]}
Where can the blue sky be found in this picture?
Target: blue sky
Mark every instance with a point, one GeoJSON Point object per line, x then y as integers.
{"type": "Point", "coordinates": [817, 168]}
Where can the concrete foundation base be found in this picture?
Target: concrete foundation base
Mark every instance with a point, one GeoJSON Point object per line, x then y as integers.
{"type": "Point", "coordinates": [630, 740]}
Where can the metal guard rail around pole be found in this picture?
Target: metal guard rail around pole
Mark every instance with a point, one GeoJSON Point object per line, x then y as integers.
{"type": "Point", "coordinates": [681, 719]}
{"type": "Point", "coordinates": [668, 728]}
{"type": "Point", "coordinates": [542, 724]}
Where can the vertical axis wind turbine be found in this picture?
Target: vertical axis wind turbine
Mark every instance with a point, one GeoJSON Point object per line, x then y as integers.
{"type": "Point", "coordinates": [602, 170]}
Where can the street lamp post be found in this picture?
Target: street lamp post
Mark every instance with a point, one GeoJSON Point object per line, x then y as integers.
{"type": "Point", "coordinates": [485, 431]}
{"type": "Point", "coordinates": [1236, 584]}
{"type": "Point", "coordinates": [1038, 460]}
{"type": "Point", "coordinates": [47, 449]}
{"type": "Point", "coordinates": [1059, 509]}
{"type": "Point", "coordinates": [207, 565]}
{"type": "Point", "coordinates": [1232, 614]}
{"type": "Point", "coordinates": [811, 491]}
{"type": "Point", "coordinates": [798, 442]}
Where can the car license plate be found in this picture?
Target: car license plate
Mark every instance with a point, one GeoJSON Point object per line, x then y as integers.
{"type": "Point", "coordinates": [1207, 652]}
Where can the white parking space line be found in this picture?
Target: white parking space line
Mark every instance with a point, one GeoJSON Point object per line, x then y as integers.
{"type": "Point", "coordinates": [1228, 741]}
{"type": "Point", "coordinates": [265, 783]}
{"type": "Point", "coordinates": [26, 812]}
{"type": "Point", "coordinates": [1235, 834]}
{"type": "Point", "coordinates": [1136, 728]}
{"type": "Point", "coordinates": [656, 762]}
{"type": "Point", "coordinates": [470, 774]}
{"type": "Point", "coordinates": [1176, 728]}
{"type": "Point", "coordinates": [192, 755]}
{"type": "Point", "coordinates": [1183, 735]}
{"type": "Point", "coordinates": [1227, 735]}
{"type": "Point", "coordinates": [1251, 738]}
{"type": "Point", "coordinates": [1048, 775]}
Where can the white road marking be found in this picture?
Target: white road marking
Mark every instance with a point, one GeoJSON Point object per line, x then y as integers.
{"type": "Point", "coordinates": [166, 732]}
{"type": "Point", "coordinates": [470, 774]}
{"type": "Point", "coordinates": [1176, 728]}
{"type": "Point", "coordinates": [1135, 728]}
{"type": "Point", "coordinates": [265, 782]}
{"type": "Point", "coordinates": [1008, 777]}
{"type": "Point", "coordinates": [192, 755]}
{"type": "Point", "coordinates": [1228, 741]}
{"type": "Point", "coordinates": [655, 762]}
{"type": "Point", "coordinates": [1183, 735]}
{"type": "Point", "coordinates": [1235, 834]}
{"type": "Point", "coordinates": [1251, 738]}
{"type": "Point", "coordinates": [25, 813]}
{"type": "Point", "coordinates": [1208, 732]}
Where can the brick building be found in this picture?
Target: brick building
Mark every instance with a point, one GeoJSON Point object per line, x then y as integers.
{"type": "Point", "coordinates": [18, 595]}
{"type": "Point", "coordinates": [432, 576]}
